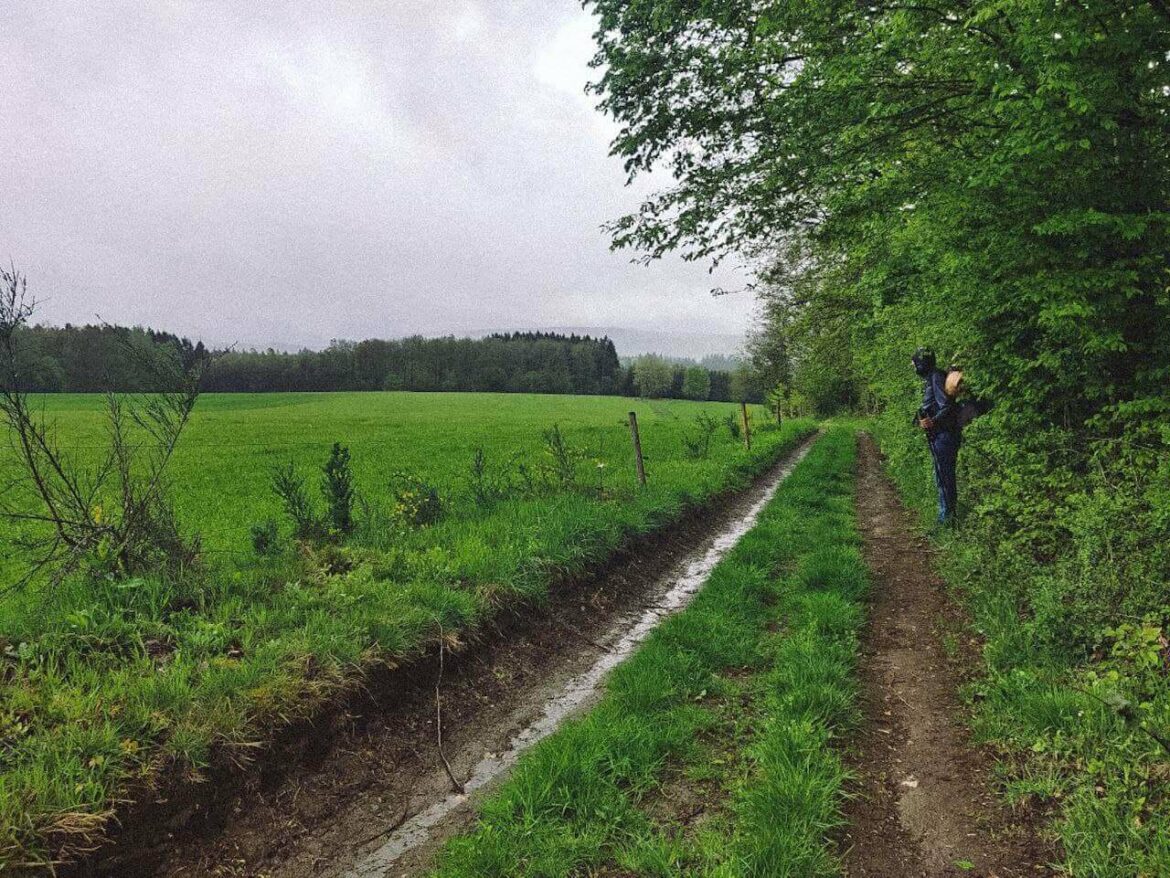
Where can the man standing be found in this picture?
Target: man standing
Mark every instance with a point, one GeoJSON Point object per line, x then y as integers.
{"type": "Point", "coordinates": [939, 417]}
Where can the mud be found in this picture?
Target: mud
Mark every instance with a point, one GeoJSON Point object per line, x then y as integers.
{"type": "Point", "coordinates": [365, 793]}
{"type": "Point", "coordinates": [924, 802]}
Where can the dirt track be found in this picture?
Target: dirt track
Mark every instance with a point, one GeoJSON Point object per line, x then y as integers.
{"type": "Point", "coordinates": [335, 803]}
{"type": "Point", "coordinates": [924, 803]}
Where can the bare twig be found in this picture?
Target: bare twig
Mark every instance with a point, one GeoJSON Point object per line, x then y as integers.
{"type": "Point", "coordinates": [61, 499]}
{"type": "Point", "coordinates": [439, 718]}
{"type": "Point", "coordinates": [396, 825]}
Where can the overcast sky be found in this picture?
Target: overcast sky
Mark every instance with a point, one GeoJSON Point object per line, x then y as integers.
{"type": "Point", "coordinates": [293, 172]}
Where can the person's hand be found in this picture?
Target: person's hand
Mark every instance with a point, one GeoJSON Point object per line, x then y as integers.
{"type": "Point", "coordinates": [926, 423]}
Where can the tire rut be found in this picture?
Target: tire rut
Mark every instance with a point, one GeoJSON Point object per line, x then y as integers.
{"type": "Point", "coordinates": [366, 774]}
{"type": "Point", "coordinates": [924, 802]}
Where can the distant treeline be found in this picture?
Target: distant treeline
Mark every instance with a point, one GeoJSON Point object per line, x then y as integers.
{"type": "Point", "coordinates": [515, 363]}
{"type": "Point", "coordinates": [91, 359]}
{"type": "Point", "coordinates": [94, 358]}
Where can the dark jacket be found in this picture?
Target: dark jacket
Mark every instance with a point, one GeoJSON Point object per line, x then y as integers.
{"type": "Point", "coordinates": [936, 404]}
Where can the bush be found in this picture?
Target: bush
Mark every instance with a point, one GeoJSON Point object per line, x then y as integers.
{"type": "Point", "coordinates": [733, 426]}
{"type": "Point", "coordinates": [416, 501]}
{"type": "Point", "coordinates": [289, 486]}
{"type": "Point", "coordinates": [265, 538]}
{"type": "Point", "coordinates": [337, 489]}
{"type": "Point", "coordinates": [337, 486]}
{"type": "Point", "coordinates": [560, 464]}
{"type": "Point", "coordinates": [698, 443]}
{"type": "Point", "coordinates": [488, 485]}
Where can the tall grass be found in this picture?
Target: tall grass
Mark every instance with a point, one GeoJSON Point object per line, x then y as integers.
{"type": "Point", "coordinates": [739, 699]}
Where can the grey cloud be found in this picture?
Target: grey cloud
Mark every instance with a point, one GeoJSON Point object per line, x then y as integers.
{"type": "Point", "coordinates": [296, 172]}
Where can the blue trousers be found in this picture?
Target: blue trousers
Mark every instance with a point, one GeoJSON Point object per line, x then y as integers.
{"type": "Point", "coordinates": [944, 450]}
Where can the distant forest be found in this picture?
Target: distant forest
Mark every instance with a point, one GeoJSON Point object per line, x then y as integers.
{"type": "Point", "coordinates": [93, 358]}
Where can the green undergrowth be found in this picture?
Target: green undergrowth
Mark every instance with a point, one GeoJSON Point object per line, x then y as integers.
{"type": "Point", "coordinates": [112, 686]}
{"type": "Point", "coordinates": [711, 752]}
{"type": "Point", "coordinates": [1073, 615]}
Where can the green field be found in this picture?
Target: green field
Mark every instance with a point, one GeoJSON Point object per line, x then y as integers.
{"type": "Point", "coordinates": [110, 681]}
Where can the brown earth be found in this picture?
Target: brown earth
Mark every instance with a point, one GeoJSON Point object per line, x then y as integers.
{"type": "Point", "coordinates": [329, 793]}
{"type": "Point", "coordinates": [924, 801]}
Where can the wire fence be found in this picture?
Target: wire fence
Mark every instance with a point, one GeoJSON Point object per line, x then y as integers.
{"type": "Point", "coordinates": [232, 541]}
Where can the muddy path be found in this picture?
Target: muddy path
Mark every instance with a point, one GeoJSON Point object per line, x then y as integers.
{"type": "Point", "coordinates": [924, 803]}
{"type": "Point", "coordinates": [365, 793]}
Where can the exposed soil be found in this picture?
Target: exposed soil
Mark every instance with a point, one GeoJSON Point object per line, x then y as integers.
{"type": "Point", "coordinates": [330, 794]}
{"type": "Point", "coordinates": [924, 802]}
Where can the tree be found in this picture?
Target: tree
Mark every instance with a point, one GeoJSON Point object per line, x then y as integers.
{"type": "Point", "coordinates": [116, 516]}
{"type": "Point", "coordinates": [744, 387]}
{"type": "Point", "coordinates": [652, 376]}
{"type": "Point", "coordinates": [993, 179]}
{"type": "Point", "coordinates": [988, 179]}
{"type": "Point", "coordinates": [696, 383]}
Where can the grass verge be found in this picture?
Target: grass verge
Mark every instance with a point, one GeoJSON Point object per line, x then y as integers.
{"type": "Point", "coordinates": [710, 752]}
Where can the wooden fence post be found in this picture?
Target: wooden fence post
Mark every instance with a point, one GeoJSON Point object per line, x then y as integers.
{"type": "Point", "coordinates": [637, 448]}
{"type": "Point", "coordinates": [747, 427]}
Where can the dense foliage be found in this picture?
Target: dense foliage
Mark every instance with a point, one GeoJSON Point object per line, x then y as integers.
{"type": "Point", "coordinates": [516, 363]}
{"type": "Point", "coordinates": [97, 358]}
{"type": "Point", "coordinates": [992, 179]}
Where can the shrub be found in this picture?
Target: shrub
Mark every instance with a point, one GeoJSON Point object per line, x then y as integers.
{"type": "Point", "coordinates": [289, 486]}
{"type": "Point", "coordinates": [416, 501]}
{"type": "Point", "coordinates": [337, 486]}
{"type": "Point", "coordinates": [488, 485]}
{"type": "Point", "coordinates": [114, 517]}
{"type": "Point", "coordinates": [698, 443]}
{"type": "Point", "coordinates": [733, 426]}
{"type": "Point", "coordinates": [560, 464]}
{"type": "Point", "coordinates": [265, 538]}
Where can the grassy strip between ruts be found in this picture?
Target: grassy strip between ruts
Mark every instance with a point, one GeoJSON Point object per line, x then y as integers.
{"type": "Point", "coordinates": [710, 752]}
{"type": "Point", "coordinates": [108, 687]}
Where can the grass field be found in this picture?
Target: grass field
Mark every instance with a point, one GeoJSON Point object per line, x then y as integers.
{"type": "Point", "coordinates": [711, 752]}
{"type": "Point", "coordinates": [108, 682]}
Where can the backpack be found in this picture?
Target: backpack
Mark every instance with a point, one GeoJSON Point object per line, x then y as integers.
{"type": "Point", "coordinates": [953, 384]}
{"type": "Point", "coordinates": [968, 409]}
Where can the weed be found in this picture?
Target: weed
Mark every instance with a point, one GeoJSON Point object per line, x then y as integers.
{"type": "Point", "coordinates": [698, 443]}
{"type": "Point", "coordinates": [950, 645]}
{"type": "Point", "coordinates": [488, 485]}
{"type": "Point", "coordinates": [560, 464]}
{"type": "Point", "coordinates": [416, 501]}
{"type": "Point", "coordinates": [733, 426]}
